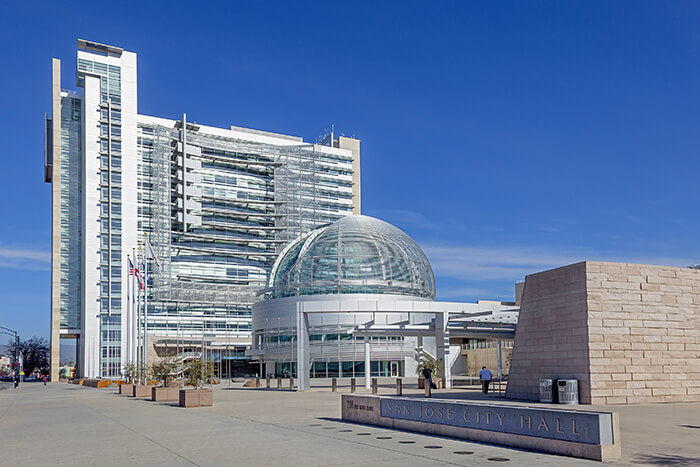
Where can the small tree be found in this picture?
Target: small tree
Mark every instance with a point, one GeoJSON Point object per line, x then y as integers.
{"type": "Point", "coordinates": [429, 362]}
{"type": "Point", "coordinates": [140, 372]}
{"type": "Point", "coordinates": [164, 370]}
{"type": "Point", "coordinates": [35, 353]}
{"type": "Point", "coordinates": [128, 372]}
{"type": "Point", "coordinates": [198, 372]}
{"type": "Point", "coordinates": [134, 372]}
{"type": "Point", "coordinates": [63, 373]}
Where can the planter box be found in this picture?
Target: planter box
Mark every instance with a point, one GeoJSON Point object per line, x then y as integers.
{"type": "Point", "coordinates": [437, 381]}
{"type": "Point", "coordinates": [196, 398]}
{"type": "Point", "coordinates": [141, 391]}
{"type": "Point", "coordinates": [164, 394]}
{"type": "Point", "coordinates": [126, 389]}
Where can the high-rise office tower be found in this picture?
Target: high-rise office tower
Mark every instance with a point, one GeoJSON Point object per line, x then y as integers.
{"type": "Point", "coordinates": [217, 204]}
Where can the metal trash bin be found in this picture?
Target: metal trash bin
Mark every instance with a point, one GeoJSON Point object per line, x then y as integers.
{"type": "Point", "coordinates": [567, 391]}
{"type": "Point", "coordinates": [546, 391]}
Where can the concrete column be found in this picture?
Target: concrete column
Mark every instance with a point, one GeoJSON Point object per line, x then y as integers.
{"type": "Point", "coordinates": [302, 349]}
{"type": "Point", "coordinates": [420, 350]}
{"type": "Point", "coordinates": [55, 341]}
{"type": "Point", "coordinates": [367, 363]}
{"type": "Point", "coordinates": [442, 344]}
{"type": "Point", "coordinates": [499, 358]}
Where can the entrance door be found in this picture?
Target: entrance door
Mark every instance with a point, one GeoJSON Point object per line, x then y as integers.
{"type": "Point", "coordinates": [394, 368]}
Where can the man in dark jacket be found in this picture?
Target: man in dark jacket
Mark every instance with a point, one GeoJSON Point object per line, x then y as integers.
{"type": "Point", "coordinates": [428, 376]}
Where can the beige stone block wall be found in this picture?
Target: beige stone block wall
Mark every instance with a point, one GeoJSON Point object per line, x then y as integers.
{"type": "Point", "coordinates": [644, 323]}
{"type": "Point", "coordinates": [476, 358]}
{"type": "Point", "coordinates": [551, 339]}
{"type": "Point", "coordinates": [629, 333]}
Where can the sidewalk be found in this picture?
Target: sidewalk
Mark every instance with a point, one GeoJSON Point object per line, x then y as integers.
{"type": "Point", "coordinates": [63, 424]}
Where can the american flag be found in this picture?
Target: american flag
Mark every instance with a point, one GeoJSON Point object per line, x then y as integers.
{"type": "Point", "coordinates": [131, 268]}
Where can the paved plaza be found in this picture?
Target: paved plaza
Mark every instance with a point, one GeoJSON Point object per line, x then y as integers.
{"type": "Point", "coordinates": [64, 424]}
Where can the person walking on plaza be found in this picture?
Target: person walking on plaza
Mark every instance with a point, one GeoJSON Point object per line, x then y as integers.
{"type": "Point", "coordinates": [44, 379]}
{"type": "Point", "coordinates": [428, 376]}
{"type": "Point", "coordinates": [485, 376]}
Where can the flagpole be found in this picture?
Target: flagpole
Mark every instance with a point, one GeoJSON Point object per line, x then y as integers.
{"type": "Point", "coordinates": [145, 310]}
{"type": "Point", "coordinates": [128, 314]}
{"type": "Point", "coordinates": [134, 313]}
{"type": "Point", "coordinates": [139, 336]}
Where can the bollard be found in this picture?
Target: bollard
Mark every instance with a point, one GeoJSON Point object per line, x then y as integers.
{"type": "Point", "coordinates": [374, 385]}
{"type": "Point", "coordinates": [291, 383]}
{"type": "Point", "coordinates": [428, 392]}
{"type": "Point", "coordinates": [257, 381]}
{"type": "Point", "coordinates": [352, 384]}
{"type": "Point", "coordinates": [267, 382]}
{"type": "Point", "coordinates": [279, 383]}
{"type": "Point", "coordinates": [399, 387]}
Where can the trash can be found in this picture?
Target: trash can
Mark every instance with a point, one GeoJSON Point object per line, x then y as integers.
{"type": "Point", "coordinates": [546, 391]}
{"type": "Point", "coordinates": [567, 390]}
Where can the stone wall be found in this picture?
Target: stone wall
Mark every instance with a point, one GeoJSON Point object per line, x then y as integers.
{"type": "Point", "coordinates": [644, 326]}
{"type": "Point", "coordinates": [551, 340]}
{"type": "Point", "coordinates": [629, 333]}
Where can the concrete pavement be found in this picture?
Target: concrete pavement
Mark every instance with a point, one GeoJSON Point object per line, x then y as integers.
{"type": "Point", "coordinates": [63, 424]}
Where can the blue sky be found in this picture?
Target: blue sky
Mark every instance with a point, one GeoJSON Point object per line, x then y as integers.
{"type": "Point", "coordinates": [505, 137]}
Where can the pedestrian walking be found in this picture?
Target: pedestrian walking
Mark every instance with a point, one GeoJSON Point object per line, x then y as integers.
{"type": "Point", "coordinates": [428, 376]}
{"type": "Point", "coordinates": [485, 376]}
{"type": "Point", "coordinates": [44, 379]}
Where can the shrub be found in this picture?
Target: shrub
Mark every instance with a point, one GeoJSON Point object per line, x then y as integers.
{"type": "Point", "coordinates": [198, 372]}
{"type": "Point", "coordinates": [164, 370]}
{"type": "Point", "coordinates": [429, 362]}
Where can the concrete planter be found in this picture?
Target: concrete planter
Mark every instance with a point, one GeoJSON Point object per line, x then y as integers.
{"type": "Point", "coordinates": [126, 389]}
{"type": "Point", "coordinates": [164, 394]}
{"type": "Point", "coordinates": [196, 398]}
{"type": "Point", "coordinates": [141, 390]}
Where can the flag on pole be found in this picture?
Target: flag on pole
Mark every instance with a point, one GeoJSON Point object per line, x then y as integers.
{"type": "Point", "coordinates": [131, 267]}
{"type": "Point", "coordinates": [151, 253]}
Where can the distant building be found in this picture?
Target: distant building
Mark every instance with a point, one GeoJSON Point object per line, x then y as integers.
{"type": "Point", "coordinates": [218, 205]}
{"type": "Point", "coordinates": [5, 363]}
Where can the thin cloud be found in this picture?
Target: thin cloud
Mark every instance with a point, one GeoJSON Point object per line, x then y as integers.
{"type": "Point", "coordinates": [513, 264]}
{"type": "Point", "coordinates": [406, 218]}
{"type": "Point", "coordinates": [21, 258]}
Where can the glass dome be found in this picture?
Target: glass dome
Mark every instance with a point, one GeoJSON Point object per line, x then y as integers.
{"type": "Point", "coordinates": [355, 254]}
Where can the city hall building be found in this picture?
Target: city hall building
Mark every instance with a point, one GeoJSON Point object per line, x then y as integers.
{"type": "Point", "coordinates": [356, 298]}
{"type": "Point", "coordinates": [218, 205]}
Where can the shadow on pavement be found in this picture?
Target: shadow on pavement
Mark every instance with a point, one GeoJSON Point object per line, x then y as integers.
{"type": "Point", "coordinates": [670, 460]}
